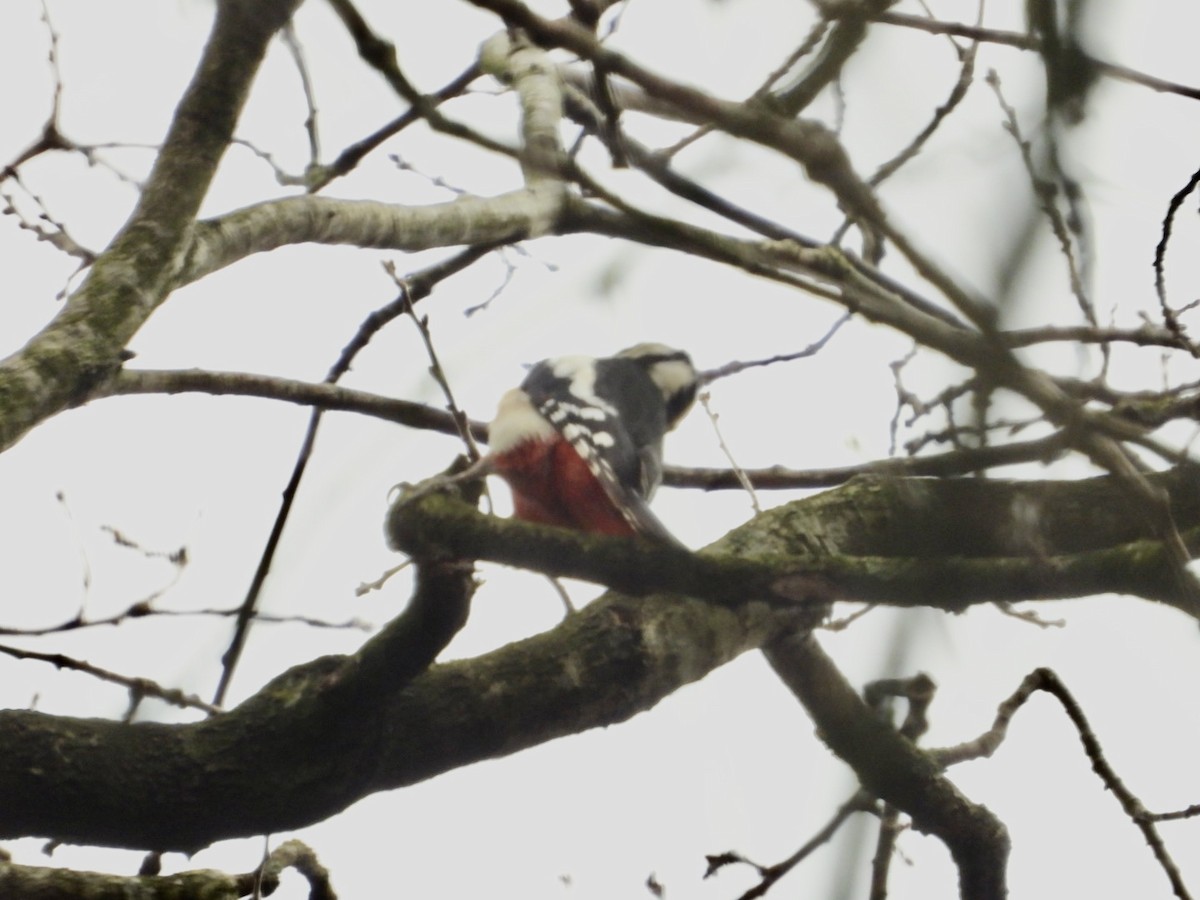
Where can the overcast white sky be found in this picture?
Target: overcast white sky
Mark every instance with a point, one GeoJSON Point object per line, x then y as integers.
{"type": "Point", "coordinates": [731, 763]}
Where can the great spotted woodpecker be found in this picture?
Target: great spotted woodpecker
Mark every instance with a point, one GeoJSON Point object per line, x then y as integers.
{"type": "Point", "coordinates": [580, 441]}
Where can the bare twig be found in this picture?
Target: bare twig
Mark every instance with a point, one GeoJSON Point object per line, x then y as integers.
{"type": "Point", "coordinates": [737, 470]}
{"type": "Point", "coordinates": [282, 176]}
{"type": "Point", "coordinates": [435, 365]}
{"type": "Point", "coordinates": [860, 802]}
{"type": "Point", "coordinates": [367, 586]}
{"type": "Point", "coordinates": [956, 462]}
{"type": "Point", "coordinates": [138, 687]}
{"type": "Point", "coordinates": [1025, 41]}
{"type": "Point", "coordinates": [1170, 316]}
{"type": "Point", "coordinates": [292, 42]}
{"type": "Point", "coordinates": [966, 75]}
{"type": "Point", "coordinates": [380, 54]}
{"type": "Point", "coordinates": [510, 270]}
{"type": "Point", "coordinates": [657, 166]}
{"type": "Point", "coordinates": [1028, 615]}
{"type": "Point", "coordinates": [733, 368]}
{"type": "Point", "coordinates": [45, 227]}
{"type": "Point", "coordinates": [350, 157]}
{"type": "Point", "coordinates": [320, 395]}
{"type": "Point", "coordinates": [846, 621]}
{"type": "Point", "coordinates": [568, 605]}
{"type": "Point", "coordinates": [420, 284]}
{"type": "Point", "coordinates": [143, 610]}
{"type": "Point", "coordinates": [436, 180]}
{"type": "Point", "coordinates": [51, 138]}
{"type": "Point", "coordinates": [1047, 680]}
{"type": "Point", "coordinates": [1147, 335]}
{"type": "Point", "coordinates": [1047, 193]}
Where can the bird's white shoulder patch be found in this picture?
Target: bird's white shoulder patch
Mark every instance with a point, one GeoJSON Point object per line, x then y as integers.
{"type": "Point", "coordinates": [517, 422]}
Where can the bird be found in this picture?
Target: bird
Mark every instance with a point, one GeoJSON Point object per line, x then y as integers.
{"type": "Point", "coordinates": [579, 442]}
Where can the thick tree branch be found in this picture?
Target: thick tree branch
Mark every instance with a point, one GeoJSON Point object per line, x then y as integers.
{"type": "Point", "coordinates": [49, 883]}
{"type": "Point", "coordinates": [530, 212]}
{"type": "Point", "coordinates": [163, 248]}
{"type": "Point", "coordinates": [330, 732]}
{"type": "Point", "coordinates": [227, 239]}
{"type": "Point", "coordinates": [83, 344]}
{"type": "Point", "coordinates": [304, 747]}
{"type": "Point", "coordinates": [933, 543]}
{"type": "Point", "coordinates": [894, 769]}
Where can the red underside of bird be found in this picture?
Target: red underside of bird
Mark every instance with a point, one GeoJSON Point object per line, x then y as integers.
{"type": "Point", "coordinates": [552, 485]}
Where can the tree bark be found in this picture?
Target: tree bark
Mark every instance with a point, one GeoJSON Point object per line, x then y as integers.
{"type": "Point", "coordinates": [83, 344]}
{"type": "Point", "coordinates": [332, 731]}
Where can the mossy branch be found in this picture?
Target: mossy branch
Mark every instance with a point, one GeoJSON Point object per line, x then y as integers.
{"type": "Point", "coordinates": [943, 544]}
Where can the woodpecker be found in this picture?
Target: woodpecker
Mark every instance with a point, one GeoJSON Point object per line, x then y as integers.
{"type": "Point", "coordinates": [580, 441]}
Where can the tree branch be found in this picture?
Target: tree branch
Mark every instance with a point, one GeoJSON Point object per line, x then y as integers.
{"type": "Point", "coordinates": [330, 732]}
{"type": "Point", "coordinates": [304, 747]}
{"type": "Point", "coordinates": [246, 384]}
{"type": "Point", "coordinates": [945, 545]}
{"type": "Point", "coordinates": [894, 769]}
{"type": "Point", "coordinates": [506, 218]}
{"type": "Point", "coordinates": [1025, 41]}
{"type": "Point", "coordinates": [47, 883]}
{"type": "Point", "coordinates": [83, 344]}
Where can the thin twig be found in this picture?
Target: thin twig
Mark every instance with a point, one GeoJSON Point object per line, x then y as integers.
{"type": "Point", "coordinates": [1047, 680]}
{"type": "Point", "coordinates": [420, 284]}
{"type": "Point", "coordinates": [380, 54]}
{"type": "Point", "coordinates": [368, 586]}
{"type": "Point", "coordinates": [1047, 192]}
{"type": "Point", "coordinates": [435, 365]}
{"type": "Point", "coordinates": [320, 395]}
{"type": "Point", "coordinates": [733, 368]}
{"type": "Point", "coordinates": [1028, 615]}
{"type": "Point", "coordinates": [1024, 41]}
{"type": "Point", "coordinates": [966, 75]}
{"type": "Point", "coordinates": [292, 42]}
{"type": "Point", "coordinates": [738, 472]}
{"type": "Point", "coordinates": [1170, 316]}
{"type": "Point", "coordinates": [846, 621]}
{"type": "Point", "coordinates": [138, 687]}
{"type": "Point", "coordinates": [350, 157]}
{"type": "Point", "coordinates": [955, 462]}
{"type": "Point", "coordinates": [860, 802]}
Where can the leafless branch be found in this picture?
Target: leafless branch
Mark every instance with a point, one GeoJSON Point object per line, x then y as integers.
{"type": "Point", "coordinates": [1047, 680]}
{"type": "Point", "coordinates": [1170, 316]}
{"type": "Point", "coordinates": [380, 54]}
{"type": "Point", "coordinates": [860, 802]}
{"type": "Point", "coordinates": [966, 75]}
{"type": "Point", "coordinates": [418, 286]}
{"type": "Point", "coordinates": [737, 470]}
{"type": "Point", "coordinates": [292, 42]}
{"type": "Point", "coordinates": [1047, 192]}
{"type": "Point", "coordinates": [435, 366]}
{"type": "Point", "coordinates": [1025, 41]}
{"type": "Point", "coordinates": [138, 687]}
{"type": "Point", "coordinates": [957, 462]}
{"type": "Point", "coordinates": [352, 155]}
{"type": "Point", "coordinates": [733, 368]}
